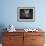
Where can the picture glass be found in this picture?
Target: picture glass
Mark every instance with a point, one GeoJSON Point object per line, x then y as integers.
{"type": "Point", "coordinates": [26, 13]}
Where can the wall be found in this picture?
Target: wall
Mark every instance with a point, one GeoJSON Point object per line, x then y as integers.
{"type": "Point", "coordinates": [8, 13]}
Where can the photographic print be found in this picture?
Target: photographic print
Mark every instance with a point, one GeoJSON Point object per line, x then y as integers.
{"type": "Point", "coordinates": [25, 14]}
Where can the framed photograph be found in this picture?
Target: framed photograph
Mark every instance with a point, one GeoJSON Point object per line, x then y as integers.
{"type": "Point", "coordinates": [26, 14]}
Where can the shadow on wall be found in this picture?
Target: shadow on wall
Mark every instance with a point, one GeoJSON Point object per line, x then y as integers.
{"type": "Point", "coordinates": [2, 26]}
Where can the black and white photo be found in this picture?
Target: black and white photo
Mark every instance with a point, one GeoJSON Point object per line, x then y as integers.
{"type": "Point", "coordinates": [25, 14]}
